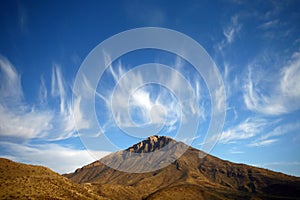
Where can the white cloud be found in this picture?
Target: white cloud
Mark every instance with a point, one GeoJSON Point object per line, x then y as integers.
{"type": "Point", "coordinates": [290, 78]}
{"type": "Point", "coordinates": [24, 125]}
{"type": "Point", "coordinates": [249, 128]}
{"type": "Point", "coordinates": [220, 95]}
{"type": "Point", "coordinates": [282, 94]}
{"type": "Point", "coordinates": [16, 118]}
{"type": "Point", "coordinates": [231, 31]}
{"type": "Point", "coordinates": [263, 143]}
{"type": "Point", "coordinates": [43, 93]}
{"type": "Point", "coordinates": [282, 129]}
{"type": "Point", "coordinates": [22, 122]}
{"type": "Point", "coordinates": [272, 136]}
{"type": "Point", "coordinates": [64, 125]}
{"type": "Point", "coordinates": [75, 110]}
{"type": "Point", "coordinates": [10, 81]}
{"type": "Point", "coordinates": [58, 87]}
{"type": "Point", "coordinates": [235, 151]}
{"type": "Point", "coordinates": [58, 158]}
{"type": "Point", "coordinates": [145, 101]}
{"type": "Point", "coordinates": [269, 24]}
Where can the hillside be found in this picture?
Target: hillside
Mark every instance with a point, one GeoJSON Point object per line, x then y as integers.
{"type": "Point", "coordinates": [189, 177]}
{"type": "Point", "coordinates": [21, 181]}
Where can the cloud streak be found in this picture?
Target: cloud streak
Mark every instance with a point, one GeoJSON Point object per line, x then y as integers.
{"type": "Point", "coordinates": [282, 98]}
{"type": "Point", "coordinates": [57, 87]}
{"type": "Point", "coordinates": [23, 126]}
{"type": "Point", "coordinates": [263, 143]}
{"type": "Point", "coordinates": [274, 135]}
{"type": "Point", "coordinates": [148, 104]}
{"type": "Point", "coordinates": [247, 129]}
{"type": "Point", "coordinates": [18, 120]}
{"type": "Point", "coordinates": [232, 29]}
{"type": "Point", "coordinates": [58, 158]}
{"type": "Point", "coordinates": [10, 89]}
{"type": "Point", "coordinates": [23, 122]}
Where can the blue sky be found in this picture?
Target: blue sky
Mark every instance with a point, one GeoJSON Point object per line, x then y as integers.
{"type": "Point", "coordinates": [255, 46]}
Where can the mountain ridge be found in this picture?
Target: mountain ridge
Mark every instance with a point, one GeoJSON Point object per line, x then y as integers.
{"type": "Point", "coordinates": [209, 177]}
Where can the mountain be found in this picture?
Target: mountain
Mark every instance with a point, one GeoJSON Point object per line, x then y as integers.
{"type": "Point", "coordinates": [189, 177]}
{"type": "Point", "coordinates": [186, 176]}
{"type": "Point", "coordinates": [20, 181]}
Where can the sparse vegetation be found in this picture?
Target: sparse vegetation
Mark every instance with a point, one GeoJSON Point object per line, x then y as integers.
{"type": "Point", "coordinates": [20, 181]}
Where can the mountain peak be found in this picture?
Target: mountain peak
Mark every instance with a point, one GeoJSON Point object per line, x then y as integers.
{"type": "Point", "coordinates": [150, 144]}
{"type": "Point", "coordinates": [176, 170]}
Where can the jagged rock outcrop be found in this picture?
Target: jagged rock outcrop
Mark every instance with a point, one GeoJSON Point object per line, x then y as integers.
{"type": "Point", "coordinates": [151, 144]}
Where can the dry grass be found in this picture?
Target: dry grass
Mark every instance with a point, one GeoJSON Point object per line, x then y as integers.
{"type": "Point", "coordinates": [20, 181]}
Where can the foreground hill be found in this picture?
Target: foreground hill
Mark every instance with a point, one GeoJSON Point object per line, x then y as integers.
{"type": "Point", "coordinates": [20, 181]}
{"type": "Point", "coordinates": [189, 177]}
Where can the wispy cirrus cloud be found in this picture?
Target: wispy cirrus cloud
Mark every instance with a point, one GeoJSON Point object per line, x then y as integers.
{"type": "Point", "coordinates": [148, 104]}
{"type": "Point", "coordinates": [61, 159]}
{"type": "Point", "coordinates": [21, 121]}
{"type": "Point", "coordinates": [247, 129]}
{"type": "Point", "coordinates": [263, 143]}
{"type": "Point", "coordinates": [282, 130]}
{"type": "Point", "coordinates": [10, 79]}
{"type": "Point", "coordinates": [234, 150]}
{"type": "Point", "coordinates": [269, 24]}
{"type": "Point", "coordinates": [274, 135]}
{"type": "Point", "coordinates": [43, 92]}
{"type": "Point", "coordinates": [24, 125]}
{"type": "Point", "coordinates": [18, 120]}
{"type": "Point", "coordinates": [282, 97]}
{"type": "Point", "coordinates": [231, 31]}
{"type": "Point", "coordinates": [290, 79]}
{"type": "Point", "coordinates": [58, 87]}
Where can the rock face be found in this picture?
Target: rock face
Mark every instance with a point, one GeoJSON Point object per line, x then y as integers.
{"type": "Point", "coordinates": [188, 177]}
{"type": "Point", "coordinates": [151, 144]}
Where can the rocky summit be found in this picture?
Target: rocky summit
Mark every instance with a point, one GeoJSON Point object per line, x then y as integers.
{"type": "Point", "coordinates": [150, 144]}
